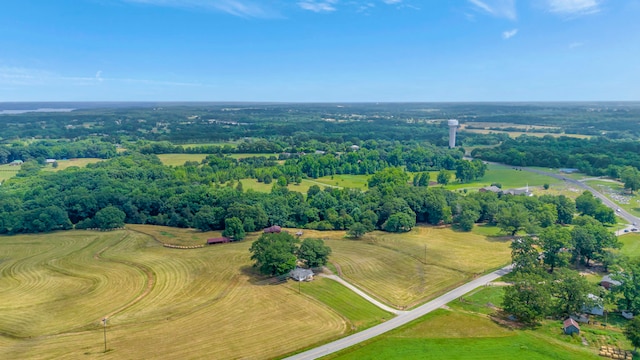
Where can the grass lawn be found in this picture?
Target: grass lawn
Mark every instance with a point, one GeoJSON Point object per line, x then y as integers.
{"type": "Point", "coordinates": [8, 171]}
{"type": "Point", "coordinates": [630, 245]}
{"type": "Point", "coordinates": [360, 313]}
{"type": "Point", "coordinates": [445, 334]}
{"type": "Point", "coordinates": [80, 162]}
{"type": "Point", "coordinates": [180, 159]}
{"type": "Point", "coordinates": [405, 269]}
{"type": "Point", "coordinates": [253, 184]}
{"type": "Point", "coordinates": [343, 181]}
{"type": "Point", "coordinates": [508, 177]}
{"type": "Point", "coordinates": [161, 303]}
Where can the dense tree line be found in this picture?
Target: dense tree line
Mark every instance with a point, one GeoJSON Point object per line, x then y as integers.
{"type": "Point", "coordinates": [206, 196]}
{"type": "Point", "coordinates": [596, 156]}
{"type": "Point", "coordinates": [58, 149]}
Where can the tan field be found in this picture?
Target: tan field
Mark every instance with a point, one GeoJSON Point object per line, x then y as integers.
{"type": "Point", "coordinates": [207, 303]}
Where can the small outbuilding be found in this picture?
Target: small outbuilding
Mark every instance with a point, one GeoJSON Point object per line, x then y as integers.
{"type": "Point", "coordinates": [16, 162]}
{"type": "Point", "coordinates": [570, 327]}
{"type": "Point", "coordinates": [627, 314]}
{"type": "Point", "coordinates": [607, 282]}
{"type": "Point", "coordinates": [300, 274]}
{"type": "Point", "coordinates": [596, 307]}
{"type": "Point", "coordinates": [219, 240]}
{"type": "Point", "coordinates": [272, 229]}
{"type": "Point", "coordinates": [299, 233]}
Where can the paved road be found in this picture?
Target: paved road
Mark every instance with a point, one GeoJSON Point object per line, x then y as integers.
{"type": "Point", "coordinates": [363, 294]}
{"type": "Point", "coordinates": [401, 319]}
{"type": "Point", "coordinates": [622, 213]}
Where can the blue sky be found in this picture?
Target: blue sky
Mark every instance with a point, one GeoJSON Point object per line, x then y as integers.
{"type": "Point", "coordinates": [319, 50]}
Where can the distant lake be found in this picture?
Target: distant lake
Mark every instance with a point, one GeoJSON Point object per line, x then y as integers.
{"type": "Point", "coordinates": [12, 112]}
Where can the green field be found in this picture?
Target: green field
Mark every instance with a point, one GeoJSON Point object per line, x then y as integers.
{"type": "Point", "coordinates": [161, 303]}
{"type": "Point", "coordinates": [508, 177]}
{"type": "Point", "coordinates": [403, 270]}
{"type": "Point", "coordinates": [445, 334]}
{"type": "Point", "coordinates": [360, 313]}
{"type": "Point", "coordinates": [342, 181]}
{"type": "Point", "coordinates": [180, 159]}
{"type": "Point", "coordinates": [233, 144]}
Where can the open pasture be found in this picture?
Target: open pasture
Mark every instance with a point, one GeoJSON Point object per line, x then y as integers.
{"type": "Point", "coordinates": [80, 162]}
{"type": "Point", "coordinates": [180, 159]}
{"type": "Point", "coordinates": [8, 171]}
{"type": "Point", "coordinates": [161, 303]}
{"type": "Point", "coordinates": [447, 334]}
{"type": "Point", "coordinates": [405, 269]}
{"type": "Point", "coordinates": [342, 181]}
{"type": "Point", "coordinates": [508, 177]}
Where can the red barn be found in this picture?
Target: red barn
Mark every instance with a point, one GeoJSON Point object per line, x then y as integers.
{"type": "Point", "coordinates": [220, 240]}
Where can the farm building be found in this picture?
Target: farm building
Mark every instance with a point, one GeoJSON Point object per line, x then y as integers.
{"type": "Point", "coordinates": [596, 307]}
{"type": "Point", "coordinates": [627, 314]}
{"type": "Point", "coordinates": [492, 188]}
{"type": "Point", "coordinates": [50, 161]}
{"type": "Point", "coordinates": [570, 326]}
{"type": "Point", "coordinates": [272, 229]}
{"type": "Point", "coordinates": [16, 162]}
{"type": "Point", "coordinates": [300, 274]}
{"type": "Point", "coordinates": [220, 240]}
{"type": "Point", "coordinates": [607, 282]}
{"type": "Point", "coordinates": [299, 233]}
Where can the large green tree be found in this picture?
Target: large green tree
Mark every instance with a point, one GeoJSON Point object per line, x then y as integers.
{"type": "Point", "coordinates": [275, 253]}
{"type": "Point", "coordinates": [314, 252]}
{"type": "Point", "coordinates": [555, 242]}
{"type": "Point", "coordinates": [632, 332]}
{"type": "Point", "coordinates": [233, 228]}
{"type": "Point", "coordinates": [109, 218]}
{"type": "Point", "coordinates": [529, 299]}
{"type": "Point", "coordinates": [513, 218]}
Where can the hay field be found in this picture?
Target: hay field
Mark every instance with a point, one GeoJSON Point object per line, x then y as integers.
{"type": "Point", "coordinates": [508, 177]}
{"type": "Point", "coordinates": [161, 303]}
{"type": "Point", "coordinates": [180, 159]}
{"type": "Point", "coordinates": [406, 269]}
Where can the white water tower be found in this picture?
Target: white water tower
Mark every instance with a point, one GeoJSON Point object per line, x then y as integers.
{"type": "Point", "coordinates": [453, 126]}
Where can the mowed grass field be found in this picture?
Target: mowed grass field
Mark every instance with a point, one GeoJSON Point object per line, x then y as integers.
{"type": "Point", "coordinates": [161, 303]}
{"type": "Point", "coordinates": [406, 269]}
{"type": "Point", "coordinates": [445, 334]}
{"type": "Point", "coordinates": [508, 177]}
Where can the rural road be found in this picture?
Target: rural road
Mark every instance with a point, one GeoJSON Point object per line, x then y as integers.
{"type": "Point", "coordinates": [401, 319]}
{"type": "Point", "coordinates": [622, 213]}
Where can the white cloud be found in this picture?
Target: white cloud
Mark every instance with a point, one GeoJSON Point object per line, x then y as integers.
{"type": "Point", "coordinates": [19, 76]}
{"type": "Point", "coordinates": [392, 2]}
{"type": "Point", "coordinates": [241, 8]}
{"type": "Point", "coordinates": [576, 44]}
{"type": "Point", "coordinates": [498, 8]}
{"type": "Point", "coordinates": [509, 34]}
{"type": "Point", "coordinates": [318, 6]}
{"type": "Point", "coordinates": [574, 7]}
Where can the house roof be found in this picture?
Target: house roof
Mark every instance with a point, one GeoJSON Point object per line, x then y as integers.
{"type": "Point", "coordinates": [492, 188]}
{"type": "Point", "coordinates": [300, 273]}
{"type": "Point", "coordinates": [570, 322]}
{"type": "Point", "coordinates": [607, 278]}
{"type": "Point", "coordinates": [218, 240]}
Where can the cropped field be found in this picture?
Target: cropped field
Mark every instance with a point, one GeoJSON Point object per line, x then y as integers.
{"type": "Point", "coordinates": [161, 303]}
{"type": "Point", "coordinates": [221, 143]}
{"type": "Point", "coordinates": [8, 171]}
{"type": "Point", "coordinates": [403, 270]}
{"type": "Point", "coordinates": [80, 162]}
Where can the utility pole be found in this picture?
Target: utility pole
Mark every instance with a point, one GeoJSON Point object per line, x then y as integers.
{"type": "Point", "coordinates": [104, 321]}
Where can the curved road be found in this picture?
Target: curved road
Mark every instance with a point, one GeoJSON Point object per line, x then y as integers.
{"type": "Point", "coordinates": [401, 319]}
